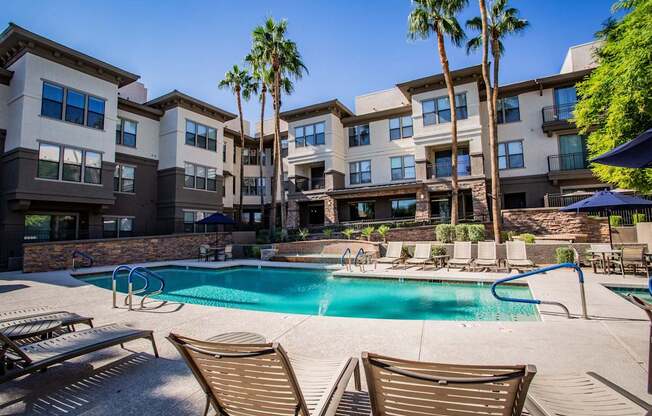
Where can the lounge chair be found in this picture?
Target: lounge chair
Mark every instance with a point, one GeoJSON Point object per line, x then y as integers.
{"type": "Point", "coordinates": [581, 395]}
{"type": "Point", "coordinates": [422, 256]}
{"type": "Point", "coordinates": [517, 256]}
{"type": "Point", "coordinates": [22, 316]}
{"type": "Point", "coordinates": [393, 254]}
{"type": "Point", "coordinates": [31, 358]}
{"type": "Point", "coordinates": [461, 255]}
{"type": "Point", "coordinates": [260, 379]}
{"type": "Point", "coordinates": [487, 257]}
{"type": "Point", "coordinates": [407, 388]}
{"type": "Point", "coordinates": [631, 258]}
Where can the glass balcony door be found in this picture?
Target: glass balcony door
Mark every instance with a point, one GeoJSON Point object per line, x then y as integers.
{"type": "Point", "coordinates": [565, 99]}
{"type": "Point", "coordinates": [443, 163]}
{"type": "Point", "coordinates": [572, 152]}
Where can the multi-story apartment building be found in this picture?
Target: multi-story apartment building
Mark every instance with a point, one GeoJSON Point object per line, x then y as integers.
{"type": "Point", "coordinates": [85, 154]}
{"type": "Point", "coordinates": [391, 158]}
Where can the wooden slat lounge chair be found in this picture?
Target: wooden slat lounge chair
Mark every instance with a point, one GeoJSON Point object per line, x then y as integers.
{"type": "Point", "coordinates": [30, 358]}
{"type": "Point", "coordinates": [517, 256]}
{"type": "Point", "coordinates": [260, 379]}
{"type": "Point", "coordinates": [461, 255]}
{"type": "Point", "coordinates": [393, 254]}
{"type": "Point", "coordinates": [422, 256]}
{"type": "Point", "coordinates": [580, 395]}
{"type": "Point", "coordinates": [68, 319]}
{"type": "Point", "coordinates": [487, 256]}
{"type": "Point", "coordinates": [411, 388]}
{"type": "Point", "coordinates": [631, 258]}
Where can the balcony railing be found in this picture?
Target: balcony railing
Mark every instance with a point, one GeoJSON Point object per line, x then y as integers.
{"type": "Point", "coordinates": [317, 183]}
{"type": "Point", "coordinates": [560, 112]}
{"type": "Point", "coordinates": [568, 161]}
{"type": "Point", "coordinates": [444, 170]}
{"type": "Point", "coordinates": [307, 184]}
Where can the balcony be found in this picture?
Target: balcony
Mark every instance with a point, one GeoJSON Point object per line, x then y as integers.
{"type": "Point", "coordinates": [556, 117]}
{"type": "Point", "coordinates": [309, 184]}
{"type": "Point", "coordinates": [444, 169]}
{"type": "Point", "coordinates": [568, 162]}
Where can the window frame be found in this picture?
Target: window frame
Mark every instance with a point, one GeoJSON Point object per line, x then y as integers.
{"type": "Point", "coordinates": [195, 176]}
{"type": "Point", "coordinates": [356, 137]}
{"type": "Point", "coordinates": [120, 183]}
{"type": "Point", "coordinates": [257, 189]}
{"type": "Point", "coordinates": [401, 127]}
{"type": "Point", "coordinates": [118, 225]}
{"type": "Point", "coordinates": [507, 156]}
{"type": "Point", "coordinates": [402, 168]}
{"type": "Point", "coordinates": [398, 201]}
{"type": "Point", "coordinates": [196, 137]}
{"type": "Point", "coordinates": [60, 164]}
{"type": "Point", "coordinates": [120, 141]}
{"type": "Point", "coordinates": [436, 113]}
{"type": "Point", "coordinates": [64, 105]}
{"type": "Point", "coordinates": [501, 114]}
{"type": "Point", "coordinates": [359, 173]}
{"type": "Point", "coordinates": [303, 142]}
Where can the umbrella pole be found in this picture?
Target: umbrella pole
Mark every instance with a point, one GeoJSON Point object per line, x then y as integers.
{"type": "Point", "coordinates": [611, 246]}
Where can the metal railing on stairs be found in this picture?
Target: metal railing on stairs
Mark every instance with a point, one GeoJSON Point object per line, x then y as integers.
{"type": "Point", "coordinates": [544, 302]}
{"type": "Point", "coordinates": [343, 259]}
{"type": "Point", "coordinates": [141, 272]}
{"type": "Point", "coordinates": [81, 254]}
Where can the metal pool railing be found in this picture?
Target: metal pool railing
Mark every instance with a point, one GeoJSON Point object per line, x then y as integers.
{"type": "Point", "coordinates": [544, 302]}
{"type": "Point", "coordinates": [144, 274]}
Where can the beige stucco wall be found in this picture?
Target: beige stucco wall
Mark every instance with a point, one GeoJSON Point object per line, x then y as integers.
{"type": "Point", "coordinates": [380, 100]}
{"type": "Point", "coordinates": [147, 136]}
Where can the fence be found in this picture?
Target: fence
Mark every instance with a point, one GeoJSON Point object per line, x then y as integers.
{"type": "Point", "coordinates": [559, 200]}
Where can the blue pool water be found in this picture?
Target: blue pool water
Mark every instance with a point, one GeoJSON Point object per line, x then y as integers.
{"type": "Point", "coordinates": [316, 292]}
{"type": "Point", "coordinates": [640, 292]}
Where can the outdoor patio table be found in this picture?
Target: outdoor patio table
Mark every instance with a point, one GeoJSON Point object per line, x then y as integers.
{"type": "Point", "coordinates": [606, 268]}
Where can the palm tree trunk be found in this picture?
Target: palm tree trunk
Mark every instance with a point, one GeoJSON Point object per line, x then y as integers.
{"type": "Point", "coordinates": [242, 144]}
{"type": "Point", "coordinates": [497, 207]}
{"type": "Point", "coordinates": [451, 98]}
{"type": "Point", "coordinates": [493, 145]}
{"type": "Point", "coordinates": [261, 148]}
{"type": "Point", "coordinates": [274, 187]}
{"type": "Point", "coordinates": [277, 143]}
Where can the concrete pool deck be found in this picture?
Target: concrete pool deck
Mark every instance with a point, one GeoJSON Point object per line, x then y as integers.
{"type": "Point", "coordinates": [614, 343]}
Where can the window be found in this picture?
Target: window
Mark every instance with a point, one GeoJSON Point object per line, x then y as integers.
{"type": "Point", "coordinates": [363, 210]}
{"type": "Point", "coordinates": [402, 208]}
{"type": "Point", "coordinates": [402, 167]}
{"type": "Point", "coordinates": [400, 127]}
{"type": "Point", "coordinates": [124, 179]}
{"type": "Point", "coordinates": [438, 110]}
{"type": "Point", "coordinates": [515, 200]}
{"type": "Point", "coordinates": [310, 135]}
{"type": "Point", "coordinates": [95, 116]}
{"type": "Point", "coordinates": [48, 161]}
{"type": "Point", "coordinates": [284, 149]}
{"type": "Point", "coordinates": [444, 166]}
{"type": "Point", "coordinates": [200, 177]}
{"type": "Point", "coordinates": [249, 156]}
{"type": "Point", "coordinates": [253, 186]}
{"type": "Point", "coordinates": [508, 110]}
{"type": "Point", "coordinates": [79, 107]}
{"type": "Point", "coordinates": [359, 135]}
{"type": "Point", "coordinates": [360, 172]}
{"type": "Point", "coordinates": [224, 153]}
{"type": "Point", "coordinates": [510, 155]}
{"type": "Point", "coordinates": [50, 227]}
{"type": "Point", "coordinates": [75, 107]}
{"type": "Point", "coordinates": [115, 227]}
{"type": "Point", "coordinates": [72, 165]}
{"type": "Point", "coordinates": [69, 164]}
{"type": "Point", "coordinates": [125, 132]}
{"type": "Point", "coordinates": [52, 101]}
{"type": "Point", "coordinates": [201, 136]}
{"type": "Point", "coordinates": [189, 221]}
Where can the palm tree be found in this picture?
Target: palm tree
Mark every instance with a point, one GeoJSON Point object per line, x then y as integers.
{"type": "Point", "coordinates": [494, 25]}
{"type": "Point", "coordinates": [240, 83]}
{"type": "Point", "coordinates": [439, 17]}
{"type": "Point", "coordinates": [284, 59]}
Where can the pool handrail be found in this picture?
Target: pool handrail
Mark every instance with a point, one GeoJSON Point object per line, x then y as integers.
{"type": "Point", "coordinates": [573, 266]}
{"type": "Point", "coordinates": [83, 255]}
{"type": "Point", "coordinates": [358, 254]}
{"type": "Point", "coordinates": [147, 273]}
{"type": "Point", "coordinates": [138, 271]}
{"type": "Point", "coordinates": [343, 258]}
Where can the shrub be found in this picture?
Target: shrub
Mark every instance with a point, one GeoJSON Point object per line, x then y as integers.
{"type": "Point", "coordinates": [348, 233]}
{"type": "Point", "coordinates": [445, 233]}
{"type": "Point", "coordinates": [527, 237]}
{"type": "Point", "coordinates": [367, 232]}
{"type": "Point", "coordinates": [564, 255]}
{"type": "Point", "coordinates": [461, 232]}
{"type": "Point", "coordinates": [383, 230]}
{"type": "Point", "coordinates": [438, 250]}
{"type": "Point", "coordinates": [616, 220]}
{"type": "Point", "coordinates": [476, 232]}
{"type": "Point", "coordinates": [303, 234]}
{"type": "Point", "coordinates": [328, 233]}
{"type": "Point", "coordinates": [638, 217]}
{"type": "Point", "coordinates": [251, 252]}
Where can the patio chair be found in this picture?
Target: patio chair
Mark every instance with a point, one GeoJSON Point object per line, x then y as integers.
{"type": "Point", "coordinates": [461, 255]}
{"type": "Point", "coordinates": [260, 379]}
{"type": "Point", "coordinates": [630, 258]}
{"type": "Point", "coordinates": [517, 256]}
{"type": "Point", "coordinates": [595, 258]}
{"type": "Point", "coordinates": [422, 256]}
{"type": "Point", "coordinates": [392, 255]}
{"type": "Point", "coordinates": [67, 319]}
{"type": "Point", "coordinates": [487, 255]}
{"type": "Point", "coordinates": [31, 358]}
{"type": "Point", "coordinates": [414, 388]}
{"type": "Point", "coordinates": [204, 252]}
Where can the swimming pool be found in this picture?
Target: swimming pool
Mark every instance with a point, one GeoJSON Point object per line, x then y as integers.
{"type": "Point", "coordinates": [317, 292]}
{"type": "Point", "coordinates": [640, 292]}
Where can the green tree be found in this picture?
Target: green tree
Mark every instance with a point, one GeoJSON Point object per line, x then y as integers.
{"type": "Point", "coordinates": [241, 85]}
{"type": "Point", "coordinates": [439, 17]}
{"type": "Point", "coordinates": [494, 24]}
{"type": "Point", "coordinates": [615, 101]}
{"type": "Point", "coordinates": [282, 55]}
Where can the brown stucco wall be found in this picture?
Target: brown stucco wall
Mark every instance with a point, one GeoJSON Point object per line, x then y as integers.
{"type": "Point", "coordinates": [42, 257]}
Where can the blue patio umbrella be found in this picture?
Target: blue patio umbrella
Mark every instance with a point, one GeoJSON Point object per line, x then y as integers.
{"type": "Point", "coordinates": [607, 200]}
{"type": "Point", "coordinates": [635, 153]}
{"type": "Point", "coordinates": [217, 219]}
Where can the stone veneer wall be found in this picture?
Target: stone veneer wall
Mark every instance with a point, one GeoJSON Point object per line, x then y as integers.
{"type": "Point", "coordinates": [553, 221]}
{"type": "Point", "coordinates": [57, 255]}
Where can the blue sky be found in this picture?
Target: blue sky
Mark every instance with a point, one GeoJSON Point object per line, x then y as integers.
{"type": "Point", "coordinates": [350, 47]}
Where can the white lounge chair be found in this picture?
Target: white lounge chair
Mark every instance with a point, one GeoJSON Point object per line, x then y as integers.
{"type": "Point", "coordinates": [517, 256]}
{"type": "Point", "coordinates": [461, 255]}
{"type": "Point", "coordinates": [422, 256]}
{"type": "Point", "coordinates": [393, 254]}
{"type": "Point", "coordinates": [487, 256]}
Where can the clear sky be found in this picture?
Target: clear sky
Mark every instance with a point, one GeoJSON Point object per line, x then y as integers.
{"type": "Point", "coordinates": [350, 47]}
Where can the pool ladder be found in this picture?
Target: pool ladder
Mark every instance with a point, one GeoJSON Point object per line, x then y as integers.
{"type": "Point", "coordinates": [542, 270]}
{"type": "Point", "coordinates": [143, 273]}
{"type": "Point", "coordinates": [346, 261]}
{"type": "Point", "coordinates": [83, 255]}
